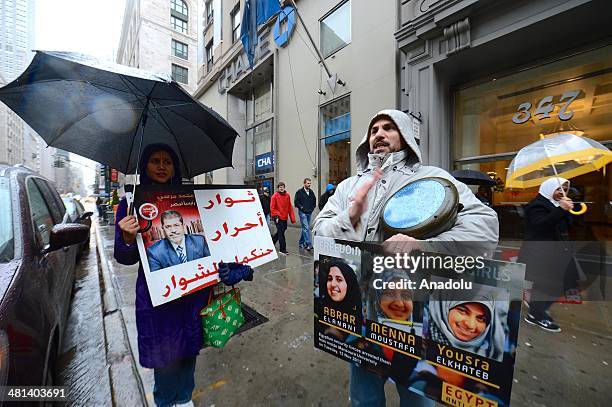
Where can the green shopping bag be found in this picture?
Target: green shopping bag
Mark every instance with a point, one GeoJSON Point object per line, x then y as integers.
{"type": "Point", "coordinates": [221, 318]}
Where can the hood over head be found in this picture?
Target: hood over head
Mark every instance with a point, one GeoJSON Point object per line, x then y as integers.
{"type": "Point", "coordinates": [144, 159]}
{"type": "Point", "coordinates": [404, 124]}
{"type": "Point", "coordinates": [329, 187]}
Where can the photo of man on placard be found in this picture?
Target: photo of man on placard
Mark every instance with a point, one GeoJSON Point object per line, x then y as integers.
{"type": "Point", "coordinates": [176, 247]}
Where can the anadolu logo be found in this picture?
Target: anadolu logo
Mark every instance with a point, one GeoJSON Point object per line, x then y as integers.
{"type": "Point", "coordinates": [148, 211]}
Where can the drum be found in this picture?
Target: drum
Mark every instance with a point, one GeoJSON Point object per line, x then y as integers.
{"type": "Point", "coordinates": [422, 209]}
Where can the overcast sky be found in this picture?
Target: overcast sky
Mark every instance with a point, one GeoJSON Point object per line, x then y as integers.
{"type": "Point", "coordinates": [88, 26]}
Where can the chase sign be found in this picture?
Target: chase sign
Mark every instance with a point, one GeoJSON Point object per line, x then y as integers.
{"type": "Point", "coordinates": [264, 163]}
{"type": "Point", "coordinates": [281, 36]}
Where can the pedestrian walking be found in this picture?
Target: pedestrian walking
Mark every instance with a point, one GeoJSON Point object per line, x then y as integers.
{"type": "Point", "coordinates": [264, 198]}
{"type": "Point", "coordinates": [387, 159]}
{"type": "Point", "coordinates": [547, 251]}
{"type": "Point", "coordinates": [281, 210]}
{"type": "Point", "coordinates": [306, 202]}
{"type": "Point", "coordinates": [169, 335]}
{"type": "Point", "coordinates": [329, 191]}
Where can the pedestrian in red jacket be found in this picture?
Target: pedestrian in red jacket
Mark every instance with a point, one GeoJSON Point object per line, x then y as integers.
{"type": "Point", "coordinates": [280, 210]}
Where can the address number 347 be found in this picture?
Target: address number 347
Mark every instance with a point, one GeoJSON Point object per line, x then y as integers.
{"type": "Point", "coordinates": [545, 107]}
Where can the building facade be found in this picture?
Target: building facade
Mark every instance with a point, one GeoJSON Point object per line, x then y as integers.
{"type": "Point", "coordinates": [294, 121]}
{"type": "Point", "coordinates": [19, 144]}
{"type": "Point", "coordinates": [161, 36]}
{"type": "Point", "coordinates": [16, 36]}
{"type": "Point", "coordinates": [490, 77]}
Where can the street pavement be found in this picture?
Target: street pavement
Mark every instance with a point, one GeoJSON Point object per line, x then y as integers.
{"type": "Point", "coordinates": [275, 364]}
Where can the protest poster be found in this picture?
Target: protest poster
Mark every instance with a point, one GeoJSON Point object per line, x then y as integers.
{"type": "Point", "coordinates": [444, 326]}
{"type": "Point", "coordinates": [186, 230]}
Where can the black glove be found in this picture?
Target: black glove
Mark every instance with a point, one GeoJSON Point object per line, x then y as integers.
{"type": "Point", "coordinates": [233, 273]}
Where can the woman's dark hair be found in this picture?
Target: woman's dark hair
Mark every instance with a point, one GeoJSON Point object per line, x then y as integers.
{"type": "Point", "coordinates": [144, 160]}
{"type": "Point", "coordinates": [352, 301]}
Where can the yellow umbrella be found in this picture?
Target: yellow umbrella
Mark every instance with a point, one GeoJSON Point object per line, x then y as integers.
{"type": "Point", "coordinates": [564, 155]}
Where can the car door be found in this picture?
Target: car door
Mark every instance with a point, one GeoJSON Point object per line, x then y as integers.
{"type": "Point", "coordinates": [38, 309]}
{"type": "Point", "coordinates": [66, 256]}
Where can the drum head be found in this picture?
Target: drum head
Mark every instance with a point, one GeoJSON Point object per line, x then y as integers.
{"type": "Point", "coordinates": [423, 208]}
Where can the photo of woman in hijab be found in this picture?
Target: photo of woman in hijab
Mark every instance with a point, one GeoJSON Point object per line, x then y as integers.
{"type": "Point", "coordinates": [339, 291]}
{"type": "Point", "coordinates": [395, 307]}
{"type": "Point", "coordinates": [477, 324]}
{"type": "Point", "coordinates": [339, 288]}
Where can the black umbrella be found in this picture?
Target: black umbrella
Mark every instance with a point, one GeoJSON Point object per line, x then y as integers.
{"type": "Point", "coordinates": [109, 113]}
{"type": "Point", "coordinates": [472, 177]}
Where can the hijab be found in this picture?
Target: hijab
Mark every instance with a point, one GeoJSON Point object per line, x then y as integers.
{"type": "Point", "coordinates": [144, 160]}
{"type": "Point", "coordinates": [387, 277]}
{"type": "Point", "coordinates": [351, 303]}
{"type": "Point", "coordinates": [548, 188]}
{"type": "Point", "coordinates": [490, 342]}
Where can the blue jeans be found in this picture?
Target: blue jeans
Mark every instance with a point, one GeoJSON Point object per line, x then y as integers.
{"type": "Point", "coordinates": [174, 383]}
{"type": "Point", "coordinates": [368, 389]}
{"type": "Point", "coordinates": [305, 237]}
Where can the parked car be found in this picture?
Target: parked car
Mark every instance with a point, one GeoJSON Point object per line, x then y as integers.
{"type": "Point", "coordinates": [38, 250]}
{"type": "Point", "coordinates": [77, 214]}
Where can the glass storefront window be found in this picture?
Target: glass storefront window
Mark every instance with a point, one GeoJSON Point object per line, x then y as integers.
{"type": "Point", "coordinates": [262, 96]}
{"type": "Point", "coordinates": [259, 104]}
{"type": "Point", "coordinates": [250, 163]}
{"type": "Point", "coordinates": [496, 119]}
{"type": "Point", "coordinates": [335, 151]}
{"type": "Point", "coordinates": [259, 157]}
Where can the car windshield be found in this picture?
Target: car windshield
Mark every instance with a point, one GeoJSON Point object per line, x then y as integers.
{"type": "Point", "coordinates": [69, 203]}
{"type": "Point", "coordinates": [6, 222]}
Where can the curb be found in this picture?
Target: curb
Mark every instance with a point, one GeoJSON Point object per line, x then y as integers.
{"type": "Point", "coordinates": [119, 355]}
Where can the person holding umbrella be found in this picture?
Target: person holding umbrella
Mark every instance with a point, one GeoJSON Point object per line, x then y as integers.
{"type": "Point", "coordinates": [547, 218]}
{"type": "Point", "coordinates": [170, 335]}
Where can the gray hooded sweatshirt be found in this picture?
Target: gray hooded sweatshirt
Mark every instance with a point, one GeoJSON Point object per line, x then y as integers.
{"type": "Point", "coordinates": [475, 223]}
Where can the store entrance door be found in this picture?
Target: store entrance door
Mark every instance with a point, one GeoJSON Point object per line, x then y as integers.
{"type": "Point", "coordinates": [266, 182]}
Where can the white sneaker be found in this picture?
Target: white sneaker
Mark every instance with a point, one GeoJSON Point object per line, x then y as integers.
{"type": "Point", "coordinates": [188, 404]}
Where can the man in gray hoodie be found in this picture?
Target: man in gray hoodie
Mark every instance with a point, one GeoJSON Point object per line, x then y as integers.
{"type": "Point", "coordinates": [388, 158]}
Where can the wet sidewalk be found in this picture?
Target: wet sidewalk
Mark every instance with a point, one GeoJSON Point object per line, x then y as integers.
{"type": "Point", "coordinates": [275, 364]}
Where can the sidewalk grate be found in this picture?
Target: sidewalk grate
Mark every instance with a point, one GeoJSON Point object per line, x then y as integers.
{"type": "Point", "coordinates": [252, 319]}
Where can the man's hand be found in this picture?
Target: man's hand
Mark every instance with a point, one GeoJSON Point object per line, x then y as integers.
{"type": "Point", "coordinates": [566, 204]}
{"type": "Point", "coordinates": [400, 243]}
{"type": "Point", "coordinates": [360, 200]}
{"type": "Point", "coordinates": [129, 227]}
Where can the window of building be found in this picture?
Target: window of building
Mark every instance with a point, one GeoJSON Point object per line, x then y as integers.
{"type": "Point", "coordinates": [495, 119]}
{"type": "Point", "coordinates": [336, 30]}
{"type": "Point", "coordinates": [209, 56]}
{"type": "Point", "coordinates": [235, 17]}
{"type": "Point", "coordinates": [179, 7]}
{"type": "Point", "coordinates": [180, 74]}
{"type": "Point", "coordinates": [178, 24]}
{"type": "Point", "coordinates": [179, 49]}
{"type": "Point", "coordinates": [209, 11]}
{"type": "Point", "coordinates": [335, 151]}
{"type": "Point", "coordinates": [259, 156]}
{"type": "Point", "coordinates": [259, 104]}
{"type": "Point", "coordinates": [179, 16]}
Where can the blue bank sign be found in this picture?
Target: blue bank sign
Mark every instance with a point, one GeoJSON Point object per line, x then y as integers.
{"type": "Point", "coordinates": [264, 163]}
